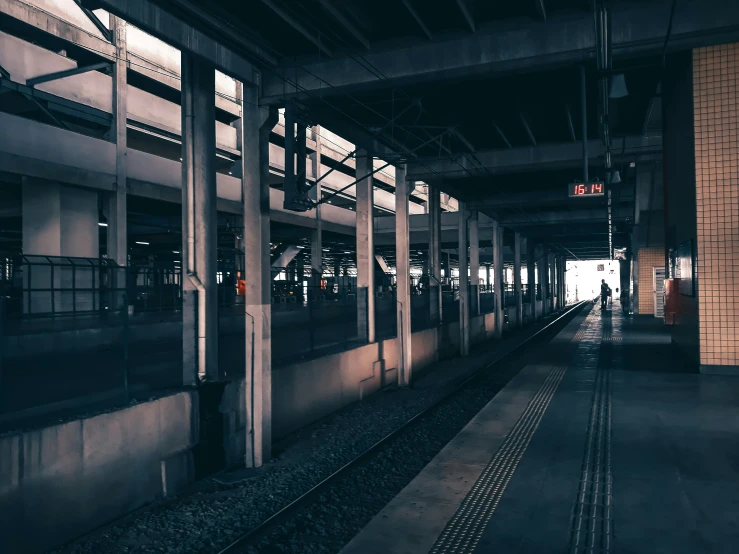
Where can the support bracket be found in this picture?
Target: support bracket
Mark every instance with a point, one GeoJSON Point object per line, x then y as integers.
{"type": "Point", "coordinates": [107, 33]}
{"type": "Point", "coordinates": [66, 73]}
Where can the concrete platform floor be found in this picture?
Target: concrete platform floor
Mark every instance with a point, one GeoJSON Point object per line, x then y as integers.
{"type": "Point", "coordinates": [608, 443]}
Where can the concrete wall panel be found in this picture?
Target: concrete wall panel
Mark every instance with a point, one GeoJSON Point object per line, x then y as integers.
{"type": "Point", "coordinates": [64, 480]}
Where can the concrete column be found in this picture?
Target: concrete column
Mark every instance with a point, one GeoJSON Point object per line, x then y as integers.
{"type": "Point", "coordinates": [316, 244]}
{"type": "Point", "coordinates": [531, 272]}
{"type": "Point", "coordinates": [57, 220]}
{"type": "Point", "coordinates": [117, 234]}
{"type": "Point", "coordinates": [199, 217]}
{"type": "Point", "coordinates": [365, 248]}
{"type": "Point", "coordinates": [402, 274]}
{"type": "Point", "coordinates": [474, 264]}
{"type": "Point", "coordinates": [464, 314]}
{"type": "Point", "coordinates": [517, 278]}
{"type": "Point", "coordinates": [543, 272]}
{"type": "Point", "coordinates": [498, 269]}
{"type": "Point", "coordinates": [258, 122]}
{"type": "Point", "coordinates": [435, 304]}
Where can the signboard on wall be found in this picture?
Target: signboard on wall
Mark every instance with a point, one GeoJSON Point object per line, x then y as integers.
{"type": "Point", "coordinates": [601, 267]}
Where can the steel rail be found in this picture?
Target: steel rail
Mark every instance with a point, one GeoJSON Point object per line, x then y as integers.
{"type": "Point", "coordinates": [288, 511]}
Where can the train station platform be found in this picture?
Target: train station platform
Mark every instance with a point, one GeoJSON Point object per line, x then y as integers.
{"type": "Point", "coordinates": [606, 441]}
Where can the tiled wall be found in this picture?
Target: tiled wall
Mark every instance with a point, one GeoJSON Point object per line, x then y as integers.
{"type": "Point", "coordinates": [649, 258]}
{"type": "Point", "coordinates": [716, 120]}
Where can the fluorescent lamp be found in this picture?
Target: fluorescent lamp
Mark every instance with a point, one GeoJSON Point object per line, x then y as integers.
{"type": "Point", "coordinates": [144, 243]}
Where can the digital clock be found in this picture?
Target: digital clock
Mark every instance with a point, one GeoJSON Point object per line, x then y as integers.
{"type": "Point", "coordinates": [586, 189]}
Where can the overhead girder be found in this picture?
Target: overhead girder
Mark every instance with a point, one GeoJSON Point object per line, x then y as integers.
{"type": "Point", "coordinates": [551, 217]}
{"type": "Point", "coordinates": [534, 158]}
{"type": "Point", "coordinates": [507, 46]}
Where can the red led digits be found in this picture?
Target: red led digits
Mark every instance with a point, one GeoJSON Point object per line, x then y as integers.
{"type": "Point", "coordinates": [586, 189]}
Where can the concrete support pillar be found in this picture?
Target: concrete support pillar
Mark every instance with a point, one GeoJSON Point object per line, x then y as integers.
{"type": "Point", "coordinates": [517, 278]}
{"type": "Point", "coordinates": [59, 221]}
{"type": "Point", "coordinates": [446, 265]}
{"type": "Point", "coordinates": [464, 314]}
{"type": "Point", "coordinates": [365, 248]}
{"type": "Point", "coordinates": [117, 233]}
{"type": "Point", "coordinates": [258, 122]}
{"type": "Point", "coordinates": [531, 272]}
{"type": "Point", "coordinates": [543, 267]}
{"type": "Point", "coordinates": [200, 225]}
{"type": "Point", "coordinates": [499, 285]}
{"type": "Point", "coordinates": [434, 205]}
{"type": "Point", "coordinates": [474, 264]}
{"type": "Point", "coordinates": [316, 243]}
{"type": "Point", "coordinates": [403, 274]}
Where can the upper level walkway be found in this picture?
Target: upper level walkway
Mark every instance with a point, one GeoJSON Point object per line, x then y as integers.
{"type": "Point", "coordinates": [604, 442]}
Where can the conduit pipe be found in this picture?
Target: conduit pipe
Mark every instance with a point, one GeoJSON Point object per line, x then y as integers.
{"type": "Point", "coordinates": [188, 160]}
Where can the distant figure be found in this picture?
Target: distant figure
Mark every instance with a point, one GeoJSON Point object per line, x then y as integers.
{"type": "Point", "coordinates": [605, 292]}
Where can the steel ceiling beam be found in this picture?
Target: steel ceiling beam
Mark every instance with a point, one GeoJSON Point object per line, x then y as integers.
{"type": "Point", "coordinates": [295, 24]}
{"type": "Point", "coordinates": [414, 14]}
{"type": "Point", "coordinates": [540, 9]}
{"type": "Point", "coordinates": [557, 195]}
{"type": "Point", "coordinates": [502, 135]}
{"type": "Point", "coordinates": [462, 138]}
{"type": "Point", "coordinates": [107, 33]}
{"type": "Point", "coordinates": [506, 47]}
{"type": "Point", "coordinates": [572, 127]}
{"type": "Point", "coordinates": [542, 157]}
{"type": "Point", "coordinates": [556, 217]}
{"type": "Point", "coordinates": [194, 32]}
{"type": "Point", "coordinates": [528, 129]}
{"type": "Point", "coordinates": [346, 22]}
{"type": "Point", "coordinates": [466, 13]}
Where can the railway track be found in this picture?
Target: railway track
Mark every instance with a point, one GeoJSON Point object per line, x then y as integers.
{"type": "Point", "coordinates": [362, 486]}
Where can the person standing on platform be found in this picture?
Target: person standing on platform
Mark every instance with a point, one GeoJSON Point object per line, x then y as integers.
{"type": "Point", "coordinates": [605, 292]}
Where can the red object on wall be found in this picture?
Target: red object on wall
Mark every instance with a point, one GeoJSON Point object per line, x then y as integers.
{"type": "Point", "coordinates": [672, 300]}
{"type": "Point", "coordinates": [241, 287]}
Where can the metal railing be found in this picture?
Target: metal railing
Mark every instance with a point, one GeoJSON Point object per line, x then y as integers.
{"type": "Point", "coordinates": [76, 328]}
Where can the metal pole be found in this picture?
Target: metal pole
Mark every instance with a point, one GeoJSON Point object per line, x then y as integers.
{"type": "Point", "coordinates": [125, 342]}
{"type": "Point", "coordinates": [584, 113]}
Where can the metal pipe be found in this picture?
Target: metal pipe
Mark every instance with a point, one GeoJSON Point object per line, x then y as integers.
{"type": "Point", "coordinates": [584, 112]}
{"type": "Point", "coordinates": [188, 151]}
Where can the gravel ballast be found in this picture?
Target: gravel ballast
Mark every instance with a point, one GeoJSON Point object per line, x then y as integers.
{"type": "Point", "coordinates": [212, 515]}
